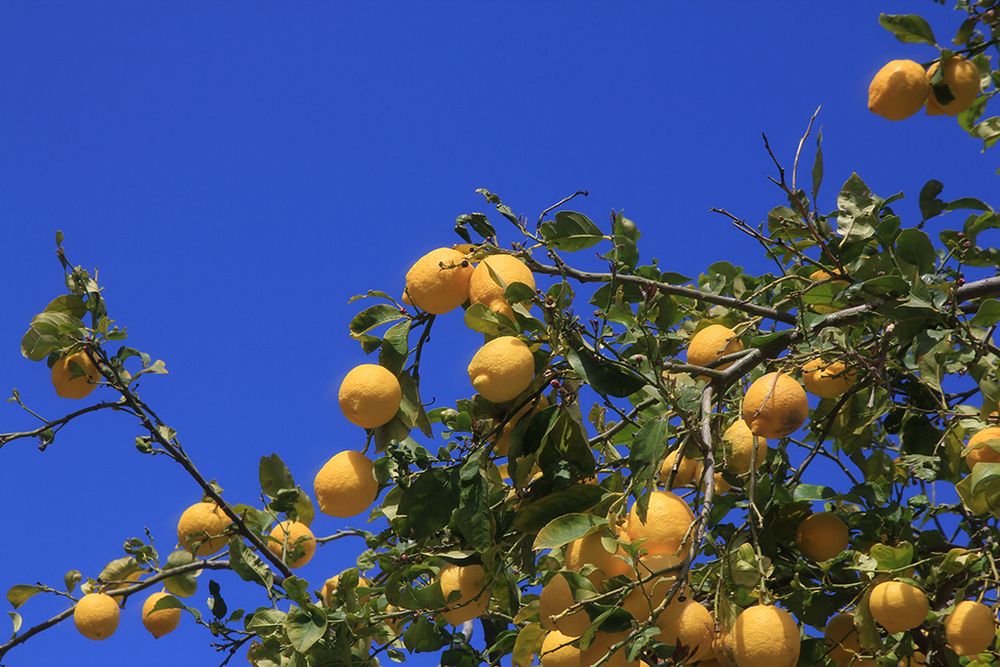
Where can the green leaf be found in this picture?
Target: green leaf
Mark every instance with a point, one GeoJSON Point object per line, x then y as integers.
{"type": "Point", "coordinates": [914, 247]}
{"type": "Point", "coordinates": [857, 205]}
{"type": "Point", "coordinates": [374, 317]}
{"type": "Point", "coordinates": [305, 627]}
{"type": "Point", "coordinates": [71, 304]}
{"type": "Point", "coordinates": [649, 448]}
{"type": "Point", "coordinates": [528, 643]}
{"type": "Point", "coordinates": [248, 565]}
{"type": "Point", "coordinates": [892, 558]}
{"type": "Point", "coordinates": [167, 602]}
{"type": "Point", "coordinates": [184, 585]}
{"type": "Point", "coordinates": [71, 579]}
{"type": "Point", "coordinates": [427, 504]}
{"type": "Point", "coordinates": [571, 231]}
{"type": "Point", "coordinates": [423, 636]}
{"type": "Point", "coordinates": [50, 331]}
{"type": "Point", "coordinates": [574, 499]}
{"type": "Point", "coordinates": [909, 28]}
{"type": "Point", "coordinates": [215, 602]}
{"type": "Point", "coordinates": [930, 204]}
{"type": "Point", "coordinates": [987, 314]}
{"type": "Point", "coordinates": [21, 593]}
{"type": "Point", "coordinates": [395, 347]}
{"type": "Point", "coordinates": [564, 529]}
{"type": "Point", "coordinates": [988, 130]}
{"type": "Point", "coordinates": [604, 375]}
{"type": "Point", "coordinates": [813, 492]}
{"type": "Point", "coordinates": [479, 317]}
{"type": "Point", "coordinates": [274, 475]}
{"type": "Point", "coordinates": [817, 170]}
{"type": "Point", "coordinates": [478, 222]}
{"type": "Point", "coordinates": [16, 620]}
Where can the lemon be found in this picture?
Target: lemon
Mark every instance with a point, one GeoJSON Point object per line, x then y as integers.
{"type": "Point", "coordinates": [822, 536]}
{"type": "Point", "coordinates": [292, 539]}
{"type": "Point", "coordinates": [330, 587]}
{"type": "Point", "coordinates": [962, 77]}
{"type": "Point", "coordinates": [599, 647]}
{"type": "Point", "coordinates": [485, 290]}
{"type": "Point", "coordinates": [688, 472]}
{"type": "Point", "coordinates": [970, 628]}
{"type": "Point", "coordinates": [160, 622]}
{"type": "Point", "coordinates": [502, 368]}
{"type": "Point", "coordinates": [346, 486]}
{"type": "Point", "coordinates": [898, 90]}
{"type": "Point", "coordinates": [642, 600]}
{"type": "Point", "coordinates": [74, 376]}
{"type": "Point", "coordinates": [370, 396]}
{"type": "Point", "coordinates": [557, 597]}
{"type": "Point", "coordinates": [439, 281]}
{"type": "Point", "coordinates": [558, 651]}
{"type": "Point", "coordinates": [589, 550]}
{"type": "Point", "coordinates": [827, 380]}
{"type": "Point", "coordinates": [820, 275]}
{"type": "Point", "coordinates": [775, 405]}
{"type": "Point", "coordinates": [503, 442]}
{"type": "Point", "coordinates": [665, 530]}
{"type": "Point", "coordinates": [711, 343]}
{"type": "Point", "coordinates": [690, 627]}
{"type": "Point", "coordinates": [473, 589]}
{"type": "Point", "coordinates": [898, 606]}
{"type": "Point", "coordinates": [737, 443]}
{"type": "Point", "coordinates": [202, 529]}
{"type": "Point", "coordinates": [96, 616]}
{"type": "Point", "coordinates": [765, 636]}
{"type": "Point", "coordinates": [979, 451]}
{"type": "Point", "coordinates": [843, 642]}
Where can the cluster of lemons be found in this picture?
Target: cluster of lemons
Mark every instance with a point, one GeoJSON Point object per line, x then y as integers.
{"type": "Point", "coordinates": [902, 87]}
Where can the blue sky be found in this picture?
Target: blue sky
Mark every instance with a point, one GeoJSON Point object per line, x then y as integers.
{"type": "Point", "coordinates": [238, 170]}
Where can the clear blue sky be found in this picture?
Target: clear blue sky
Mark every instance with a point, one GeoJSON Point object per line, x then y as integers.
{"type": "Point", "coordinates": [238, 170]}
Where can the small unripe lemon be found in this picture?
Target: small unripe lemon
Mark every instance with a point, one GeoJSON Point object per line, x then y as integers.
{"type": "Point", "coordinates": [290, 538]}
{"type": "Point", "coordinates": [439, 281]}
{"type": "Point", "coordinates": [737, 442]}
{"type": "Point", "coordinates": [68, 381]}
{"type": "Point", "coordinates": [665, 530]}
{"type": "Point", "coordinates": [601, 644]}
{"type": "Point", "coordinates": [688, 472]}
{"type": "Point", "coordinates": [557, 597]}
{"type": "Point", "coordinates": [96, 616]}
{"type": "Point", "coordinates": [502, 368]}
{"type": "Point", "coordinates": [202, 529]}
{"type": "Point", "coordinates": [843, 642]}
{"type": "Point", "coordinates": [485, 290]}
{"type": "Point", "coordinates": [711, 343]}
{"type": "Point", "coordinates": [473, 588]}
{"type": "Point", "coordinates": [346, 486]}
{"type": "Point", "coordinates": [558, 651]}
{"type": "Point", "coordinates": [827, 380]}
{"type": "Point", "coordinates": [775, 405]}
{"type": "Point", "coordinates": [689, 626]}
{"type": "Point", "coordinates": [370, 396]}
{"type": "Point", "coordinates": [589, 550]}
{"type": "Point", "coordinates": [898, 606]}
{"type": "Point", "coordinates": [979, 451]}
{"type": "Point", "coordinates": [962, 77]}
{"type": "Point", "coordinates": [970, 628]}
{"type": "Point", "coordinates": [161, 622]}
{"type": "Point", "coordinates": [822, 536]}
{"type": "Point", "coordinates": [898, 90]}
{"type": "Point", "coordinates": [503, 442]}
{"type": "Point", "coordinates": [765, 636]}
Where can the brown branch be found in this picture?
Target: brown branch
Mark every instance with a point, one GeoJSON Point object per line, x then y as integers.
{"type": "Point", "coordinates": [62, 421]}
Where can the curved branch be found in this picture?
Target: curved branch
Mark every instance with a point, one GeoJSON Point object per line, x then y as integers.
{"type": "Point", "coordinates": [62, 421]}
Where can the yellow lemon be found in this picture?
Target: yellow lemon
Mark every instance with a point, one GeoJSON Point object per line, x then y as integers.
{"type": "Point", "coordinates": [898, 90]}
{"type": "Point", "coordinates": [737, 443]}
{"type": "Point", "coordinates": [503, 442]}
{"type": "Point", "coordinates": [765, 636]}
{"type": "Point", "coordinates": [599, 647]}
{"type": "Point", "coordinates": [688, 472]}
{"type": "Point", "coordinates": [473, 589]}
{"type": "Point", "coordinates": [558, 651]}
{"type": "Point", "coordinates": [346, 486]}
{"type": "Point", "coordinates": [502, 368]}
{"type": "Point", "coordinates": [775, 405]}
{"type": "Point", "coordinates": [642, 600]}
{"type": "Point", "coordinates": [666, 528]}
{"type": "Point", "coordinates": [370, 396]}
{"type": "Point", "coordinates": [330, 587]}
{"type": "Point", "coordinates": [711, 343]}
{"type": "Point", "coordinates": [962, 77]}
{"type": "Point", "coordinates": [970, 628]}
{"type": "Point", "coordinates": [589, 550]}
{"type": "Point", "coordinates": [689, 626]}
{"type": "Point", "coordinates": [202, 529]}
{"type": "Point", "coordinates": [898, 606]}
{"type": "Point", "coordinates": [74, 376]}
{"type": "Point", "coordinates": [161, 622]}
{"type": "Point", "coordinates": [843, 643]}
{"type": "Point", "coordinates": [96, 616]}
{"type": "Point", "coordinates": [485, 290]}
{"type": "Point", "coordinates": [827, 380]}
{"type": "Point", "coordinates": [822, 536]}
{"type": "Point", "coordinates": [439, 281]}
{"type": "Point", "coordinates": [979, 451]}
{"type": "Point", "coordinates": [557, 597]}
{"type": "Point", "coordinates": [293, 542]}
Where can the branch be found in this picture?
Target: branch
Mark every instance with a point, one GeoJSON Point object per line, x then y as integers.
{"type": "Point", "coordinates": [62, 421]}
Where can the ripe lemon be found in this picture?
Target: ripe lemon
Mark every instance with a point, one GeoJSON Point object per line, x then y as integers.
{"type": "Point", "coordinates": [979, 451]}
{"type": "Point", "coordinates": [346, 486]}
{"type": "Point", "coordinates": [665, 531]}
{"type": "Point", "coordinates": [601, 644]}
{"type": "Point", "coordinates": [330, 587]}
{"type": "Point", "coordinates": [765, 636]}
{"type": "Point", "coordinates": [439, 281]}
{"type": "Point", "coordinates": [898, 606]}
{"type": "Point", "coordinates": [737, 443]}
{"type": "Point", "coordinates": [557, 597]}
{"type": "Point", "coordinates": [711, 343]}
{"type": "Point", "coordinates": [74, 376]}
{"type": "Point", "coordinates": [775, 405]}
{"type": "Point", "coordinates": [827, 380]}
{"type": "Point", "coordinates": [589, 550]}
{"type": "Point", "coordinates": [96, 616]}
{"type": "Point", "coordinates": [503, 442]}
{"type": "Point", "coordinates": [473, 588]}
{"type": "Point", "coordinates": [502, 368]}
{"type": "Point", "coordinates": [289, 538]}
{"type": "Point", "coordinates": [970, 628]}
{"type": "Point", "coordinates": [160, 622]}
{"type": "Point", "coordinates": [843, 642]}
{"type": "Point", "coordinates": [688, 472]}
{"type": "Point", "coordinates": [820, 275]}
{"type": "Point", "coordinates": [202, 529]}
{"type": "Point", "coordinates": [898, 90]}
{"type": "Point", "coordinates": [962, 77]}
{"type": "Point", "coordinates": [370, 396]}
{"type": "Point", "coordinates": [558, 651]}
{"type": "Point", "coordinates": [822, 536]}
{"type": "Point", "coordinates": [721, 485]}
{"type": "Point", "coordinates": [689, 626]}
{"type": "Point", "coordinates": [642, 600]}
{"type": "Point", "coordinates": [485, 290]}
